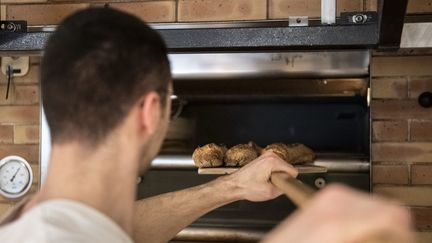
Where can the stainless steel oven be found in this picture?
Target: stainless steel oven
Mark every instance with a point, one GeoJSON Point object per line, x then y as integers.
{"type": "Point", "coordinates": [317, 98]}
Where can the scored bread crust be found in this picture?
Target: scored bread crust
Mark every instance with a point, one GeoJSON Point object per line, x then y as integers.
{"type": "Point", "coordinates": [213, 155]}
{"type": "Point", "coordinates": [300, 154]}
{"type": "Point", "coordinates": [240, 155]}
{"type": "Point", "coordinates": [209, 155]}
{"type": "Point", "coordinates": [280, 149]}
{"type": "Point", "coordinates": [295, 153]}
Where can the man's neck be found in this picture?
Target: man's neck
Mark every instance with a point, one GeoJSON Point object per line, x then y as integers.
{"type": "Point", "coordinates": [104, 178]}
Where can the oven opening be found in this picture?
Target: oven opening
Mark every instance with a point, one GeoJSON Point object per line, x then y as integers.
{"type": "Point", "coordinates": [330, 116]}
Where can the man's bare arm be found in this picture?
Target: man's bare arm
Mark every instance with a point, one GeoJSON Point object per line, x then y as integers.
{"type": "Point", "coordinates": [160, 218]}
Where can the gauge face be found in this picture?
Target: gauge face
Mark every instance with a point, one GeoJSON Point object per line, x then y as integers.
{"type": "Point", "coordinates": [15, 177]}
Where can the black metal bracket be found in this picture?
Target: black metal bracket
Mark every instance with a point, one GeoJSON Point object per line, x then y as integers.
{"type": "Point", "coordinates": [391, 21]}
{"type": "Point", "coordinates": [13, 26]}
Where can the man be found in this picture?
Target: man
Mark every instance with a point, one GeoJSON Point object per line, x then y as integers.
{"type": "Point", "coordinates": [106, 85]}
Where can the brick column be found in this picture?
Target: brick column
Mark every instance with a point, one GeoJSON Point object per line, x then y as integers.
{"type": "Point", "coordinates": [402, 135]}
{"type": "Point", "coordinates": [19, 122]}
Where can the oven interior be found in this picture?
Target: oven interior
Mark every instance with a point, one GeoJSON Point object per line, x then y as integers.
{"type": "Point", "coordinates": [329, 115]}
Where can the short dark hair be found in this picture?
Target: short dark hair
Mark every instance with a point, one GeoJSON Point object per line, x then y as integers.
{"type": "Point", "coordinates": [96, 66]}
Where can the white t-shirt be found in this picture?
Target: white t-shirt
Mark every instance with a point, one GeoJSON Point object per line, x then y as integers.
{"type": "Point", "coordinates": [64, 221]}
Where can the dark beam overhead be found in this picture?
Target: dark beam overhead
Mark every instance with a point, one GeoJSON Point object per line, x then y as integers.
{"type": "Point", "coordinates": [391, 21]}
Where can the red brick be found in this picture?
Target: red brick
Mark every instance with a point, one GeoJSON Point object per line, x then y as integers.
{"type": "Point", "coordinates": [23, 1]}
{"type": "Point", "coordinates": [419, 6]}
{"type": "Point", "coordinates": [422, 218]}
{"type": "Point", "coordinates": [19, 114]}
{"type": "Point", "coordinates": [35, 170]}
{"type": "Point", "coordinates": [421, 131]}
{"type": "Point", "coordinates": [6, 134]}
{"type": "Point", "coordinates": [2, 12]}
{"type": "Point", "coordinates": [421, 175]}
{"type": "Point", "coordinates": [284, 8]}
{"type": "Point", "coordinates": [42, 14]}
{"type": "Point", "coordinates": [408, 195]}
{"type": "Point", "coordinates": [28, 134]}
{"type": "Point", "coordinates": [401, 66]}
{"type": "Point", "coordinates": [424, 237]}
{"type": "Point", "coordinates": [390, 174]}
{"type": "Point", "coordinates": [28, 152]}
{"type": "Point", "coordinates": [19, 95]}
{"type": "Point", "coordinates": [27, 95]}
{"type": "Point", "coordinates": [399, 109]}
{"type": "Point", "coordinates": [389, 88]}
{"type": "Point", "coordinates": [4, 206]}
{"type": "Point", "coordinates": [402, 152]}
{"type": "Point", "coordinates": [390, 131]}
{"type": "Point", "coordinates": [371, 5]}
{"type": "Point", "coordinates": [419, 85]}
{"type": "Point", "coordinates": [154, 11]}
{"type": "Point", "coordinates": [35, 61]}
{"type": "Point", "coordinates": [11, 96]}
{"type": "Point", "coordinates": [221, 10]}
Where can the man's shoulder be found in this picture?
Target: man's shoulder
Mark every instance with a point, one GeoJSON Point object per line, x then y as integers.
{"type": "Point", "coordinates": [63, 221]}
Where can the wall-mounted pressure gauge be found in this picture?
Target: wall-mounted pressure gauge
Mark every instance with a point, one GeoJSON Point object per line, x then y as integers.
{"type": "Point", "coordinates": [16, 177]}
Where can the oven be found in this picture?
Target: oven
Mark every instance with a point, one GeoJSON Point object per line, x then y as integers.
{"type": "Point", "coordinates": [317, 98]}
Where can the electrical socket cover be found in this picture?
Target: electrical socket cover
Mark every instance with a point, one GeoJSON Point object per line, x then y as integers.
{"type": "Point", "coordinates": [20, 65]}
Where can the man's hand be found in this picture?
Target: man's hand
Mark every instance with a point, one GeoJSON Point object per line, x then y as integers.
{"type": "Point", "coordinates": [159, 218]}
{"type": "Point", "coordinates": [252, 182]}
{"type": "Point", "coordinates": [340, 215]}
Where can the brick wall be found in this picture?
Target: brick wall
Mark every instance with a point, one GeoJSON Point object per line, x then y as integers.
{"type": "Point", "coordinates": [19, 122]}
{"type": "Point", "coordinates": [47, 12]}
{"type": "Point", "coordinates": [402, 138]}
{"type": "Point", "coordinates": [402, 135]}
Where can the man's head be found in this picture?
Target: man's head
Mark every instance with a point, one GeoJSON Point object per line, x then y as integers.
{"type": "Point", "coordinates": [98, 66]}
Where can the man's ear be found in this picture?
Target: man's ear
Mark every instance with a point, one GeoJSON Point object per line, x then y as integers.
{"type": "Point", "coordinates": [150, 112]}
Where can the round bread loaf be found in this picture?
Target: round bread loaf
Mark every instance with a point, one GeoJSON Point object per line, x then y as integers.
{"type": "Point", "coordinates": [295, 153]}
{"type": "Point", "coordinates": [209, 155]}
{"type": "Point", "coordinates": [280, 149]}
{"type": "Point", "coordinates": [300, 154]}
{"type": "Point", "coordinates": [241, 154]}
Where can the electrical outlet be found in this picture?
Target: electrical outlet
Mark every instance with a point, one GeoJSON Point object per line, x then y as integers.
{"type": "Point", "coordinates": [20, 65]}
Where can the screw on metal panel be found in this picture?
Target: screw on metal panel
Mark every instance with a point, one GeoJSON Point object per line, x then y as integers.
{"type": "Point", "coordinates": [320, 182]}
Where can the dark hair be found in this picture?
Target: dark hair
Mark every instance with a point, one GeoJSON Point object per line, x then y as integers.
{"type": "Point", "coordinates": [96, 66]}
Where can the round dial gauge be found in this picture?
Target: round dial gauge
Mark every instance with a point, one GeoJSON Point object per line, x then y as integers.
{"type": "Point", "coordinates": [15, 176]}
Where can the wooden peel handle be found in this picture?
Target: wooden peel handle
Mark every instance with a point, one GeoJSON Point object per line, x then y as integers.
{"type": "Point", "coordinates": [300, 193]}
{"type": "Point", "coordinates": [294, 189]}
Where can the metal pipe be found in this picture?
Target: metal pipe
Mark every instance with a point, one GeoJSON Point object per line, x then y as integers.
{"type": "Point", "coordinates": [334, 163]}
{"type": "Point", "coordinates": [218, 235]}
{"type": "Point", "coordinates": [328, 11]}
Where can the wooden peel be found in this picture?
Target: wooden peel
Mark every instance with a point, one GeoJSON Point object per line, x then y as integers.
{"type": "Point", "coordinates": [300, 194]}
{"type": "Point", "coordinates": [302, 169]}
{"type": "Point", "coordinates": [294, 189]}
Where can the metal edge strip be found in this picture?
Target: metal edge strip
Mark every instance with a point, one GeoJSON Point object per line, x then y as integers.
{"type": "Point", "coordinates": [347, 163]}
